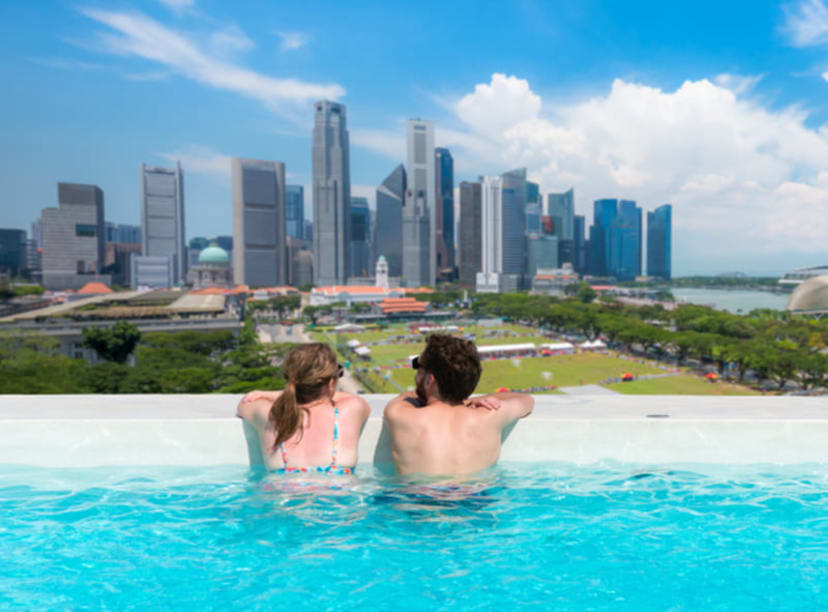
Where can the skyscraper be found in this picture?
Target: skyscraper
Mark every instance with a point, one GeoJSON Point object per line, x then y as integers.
{"type": "Point", "coordinates": [604, 213]}
{"type": "Point", "coordinates": [625, 257]}
{"type": "Point", "coordinates": [388, 235]}
{"type": "Point", "coordinates": [295, 211]}
{"type": "Point", "coordinates": [471, 231]}
{"type": "Point", "coordinates": [533, 194]}
{"type": "Point", "coordinates": [162, 216]}
{"type": "Point", "coordinates": [419, 237]}
{"type": "Point", "coordinates": [73, 237]}
{"type": "Point", "coordinates": [561, 206]}
{"type": "Point", "coordinates": [444, 168]}
{"type": "Point", "coordinates": [513, 219]}
{"type": "Point", "coordinates": [259, 236]}
{"type": "Point", "coordinates": [491, 234]}
{"type": "Point", "coordinates": [579, 241]}
{"type": "Point", "coordinates": [12, 251]}
{"type": "Point", "coordinates": [660, 242]}
{"type": "Point", "coordinates": [360, 238]}
{"type": "Point", "coordinates": [331, 195]}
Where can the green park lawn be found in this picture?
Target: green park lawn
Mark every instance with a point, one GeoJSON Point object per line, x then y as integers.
{"type": "Point", "coordinates": [564, 371]}
{"type": "Point", "coordinates": [683, 384]}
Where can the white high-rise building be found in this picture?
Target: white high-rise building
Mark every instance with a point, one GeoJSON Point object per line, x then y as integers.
{"type": "Point", "coordinates": [382, 273]}
{"type": "Point", "coordinates": [419, 207]}
{"type": "Point", "coordinates": [491, 240]}
{"type": "Point", "coordinates": [162, 216]}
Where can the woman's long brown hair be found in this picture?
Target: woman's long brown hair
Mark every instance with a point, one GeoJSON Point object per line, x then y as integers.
{"type": "Point", "coordinates": [308, 370]}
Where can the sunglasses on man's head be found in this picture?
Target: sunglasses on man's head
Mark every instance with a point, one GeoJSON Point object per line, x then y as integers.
{"type": "Point", "coordinates": [415, 363]}
{"type": "Point", "coordinates": [340, 371]}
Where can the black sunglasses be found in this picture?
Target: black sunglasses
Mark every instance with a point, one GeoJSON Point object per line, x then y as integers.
{"type": "Point", "coordinates": [415, 363]}
{"type": "Point", "coordinates": [340, 371]}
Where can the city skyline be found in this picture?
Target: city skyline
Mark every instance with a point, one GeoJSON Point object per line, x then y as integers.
{"type": "Point", "coordinates": [725, 135]}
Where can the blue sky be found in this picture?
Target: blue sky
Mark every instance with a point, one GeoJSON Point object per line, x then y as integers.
{"type": "Point", "coordinates": [719, 108]}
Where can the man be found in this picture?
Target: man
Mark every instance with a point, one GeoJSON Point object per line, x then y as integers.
{"type": "Point", "coordinates": [438, 429]}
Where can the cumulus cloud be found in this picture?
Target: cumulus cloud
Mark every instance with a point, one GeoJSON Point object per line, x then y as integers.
{"type": "Point", "coordinates": [136, 35]}
{"type": "Point", "coordinates": [807, 23]}
{"type": "Point", "coordinates": [741, 176]}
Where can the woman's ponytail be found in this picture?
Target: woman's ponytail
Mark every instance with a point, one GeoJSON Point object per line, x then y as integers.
{"type": "Point", "coordinates": [285, 414]}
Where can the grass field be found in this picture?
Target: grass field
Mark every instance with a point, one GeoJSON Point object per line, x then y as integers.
{"type": "Point", "coordinates": [563, 371]}
{"type": "Point", "coordinates": [683, 384]}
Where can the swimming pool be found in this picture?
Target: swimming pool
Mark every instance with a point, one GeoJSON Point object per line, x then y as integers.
{"type": "Point", "coordinates": [550, 535]}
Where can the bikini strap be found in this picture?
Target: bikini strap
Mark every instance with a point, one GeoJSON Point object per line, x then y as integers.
{"type": "Point", "coordinates": [335, 445]}
{"type": "Point", "coordinates": [284, 455]}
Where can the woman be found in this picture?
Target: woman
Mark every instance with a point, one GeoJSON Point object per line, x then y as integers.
{"type": "Point", "coordinates": [309, 425]}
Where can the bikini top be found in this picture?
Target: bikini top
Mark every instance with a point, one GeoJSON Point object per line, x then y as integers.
{"type": "Point", "coordinates": [333, 468]}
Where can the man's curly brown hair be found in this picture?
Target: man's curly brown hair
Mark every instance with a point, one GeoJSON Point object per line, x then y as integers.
{"type": "Point", "coordinates": [455, 364]}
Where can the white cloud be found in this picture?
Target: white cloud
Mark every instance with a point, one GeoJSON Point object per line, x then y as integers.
{"type": "Point", "coordinates": [807, 23]}
{"type": "Point", "coordinates": [292, 40]}
{"type": "Point", "coordinates": [134, 34]}
{"type": "Point", "coordinates": [230, 41]}
{"type": "Point", "coordinates": [199, 159]}
{"type": "Point", "coordinates": [178, 6]}
{"type": "Point", "coordinates": [742, 178]}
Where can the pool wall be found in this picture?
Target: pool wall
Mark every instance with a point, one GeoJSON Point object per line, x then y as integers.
{"type": "Point", "coordinates": [101, 430]}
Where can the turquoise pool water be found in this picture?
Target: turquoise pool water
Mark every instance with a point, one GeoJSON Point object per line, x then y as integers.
{"type": "Point", "coordinates": [550, 536]}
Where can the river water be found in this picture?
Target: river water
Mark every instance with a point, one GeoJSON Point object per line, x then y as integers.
{"type": "Point", "coordinates": [735, 300]}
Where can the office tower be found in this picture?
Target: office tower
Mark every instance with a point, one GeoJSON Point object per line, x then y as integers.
{"type": "Point", "coordinates": [660, 242]}
{"type": "Point", "coordinates": [579, 240]}
{"type": "Point", "coordinates": [625, 241]}
{"type": "Point", "coordinates": [331, 195]}
{"type": "Point", "coordinates": [444, 214]}
{"type": "Point", "coordinates": [194, 248]}
{"type": "Point", "coordinates": [73, 237]}
{"type": "Point", "coordinates": [542, 252]}
{"type": "Point", "coordinates": [533, 194]}
{"type": "Point", "coordinates": [162, 216]}
{"type": "Point", "coordinates": [388, 235]}
{"type": "Point", "coordinates": [259, 241]}
{"type": "Point", "coordinates": [294, 247]}
{"type": "Point", "coordinates": [225, 242]}
{"type": "Point", "coordinates": [604, 213]}
{"type": "Point", "coordinates": [419, 239]}
{"type": "Point", "coordinates": [471, 232]}
{"type": "Point", "coordinates": [533, 218]}
{"type": "Point", "coordinates": [360, 238]}
{"type": "Point", "coordinates": [37, 233]}
{"type": "Point", "coordinates": [513, 220]}
{"type": "Point", "coordinates": [491, 234]}
{"type": "Point", "coordinates": [12, 251]}
{"type": "Point", "coordinates": [295, 211]}
{"type": "Point", "coordinates": [561, 206]}
{"type": "Point", "coordinates": [308, 231]}
{"type": "Point", "coordinates": [122, 233]}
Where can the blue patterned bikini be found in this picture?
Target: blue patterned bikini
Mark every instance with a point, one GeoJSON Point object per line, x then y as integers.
{"type": "Point", "coordinates": [333, 468]}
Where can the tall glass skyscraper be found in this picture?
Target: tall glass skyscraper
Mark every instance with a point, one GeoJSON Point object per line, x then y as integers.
{"type": "Point", "coordinates": [660, 242]}
{"type": "Point", "coordinates": [604, 213]}
{"type": "Point", "coordinates": [533, 193]}
{"type": "Point", "coordinates": [295, 211]}
{"type": "Point", "coordinates": [360, 237]}
{"type": "Point", "coordinates": [444, 175]}
{"type": "Point", "coordinates": [331, 195]}
{"type": "Point", "coordinates": [580, 244]}
{"type": "Point", "coordinates": [388, 235]}
{"type": "Point", "coordinates": [514, 224]}
{"type": "Point", "coordinates": [162, 216]}
{"type": "Point", "coordinates": [615, 239]}
{"type": "Point", "coordinates": [561, 206]}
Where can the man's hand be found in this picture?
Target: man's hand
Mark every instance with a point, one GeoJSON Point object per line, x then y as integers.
{"type": "Point", "coordinates": [257, 395]}
{"type": "Point", "coordinates": [484, 401]}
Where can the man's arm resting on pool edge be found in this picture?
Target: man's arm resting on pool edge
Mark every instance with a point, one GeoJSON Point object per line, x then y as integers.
{"type": "Point", "coordinates": [512, 406]}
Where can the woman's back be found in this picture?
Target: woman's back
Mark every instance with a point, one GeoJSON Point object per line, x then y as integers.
{"type": "Point", "coordinates": [328, 438]}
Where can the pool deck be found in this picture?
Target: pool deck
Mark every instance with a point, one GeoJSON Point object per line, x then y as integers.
{"type": "Point", "coordinates": [100, 430]}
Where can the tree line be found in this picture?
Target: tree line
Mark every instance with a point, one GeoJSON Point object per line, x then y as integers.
{"type": "Point", "coordinates": [773, 345]}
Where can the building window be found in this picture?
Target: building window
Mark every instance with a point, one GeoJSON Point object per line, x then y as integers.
{"type": "Point", "coordinates": [86, 231]}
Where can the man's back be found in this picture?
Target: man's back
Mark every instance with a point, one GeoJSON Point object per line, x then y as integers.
{"type": "Point", "coordinates": [440, 438]}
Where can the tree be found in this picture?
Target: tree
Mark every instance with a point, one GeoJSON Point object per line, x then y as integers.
{"type": "Point", "coordinates": [115, 343]}
{"type": "Point", "coordinates": [586, 294]}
